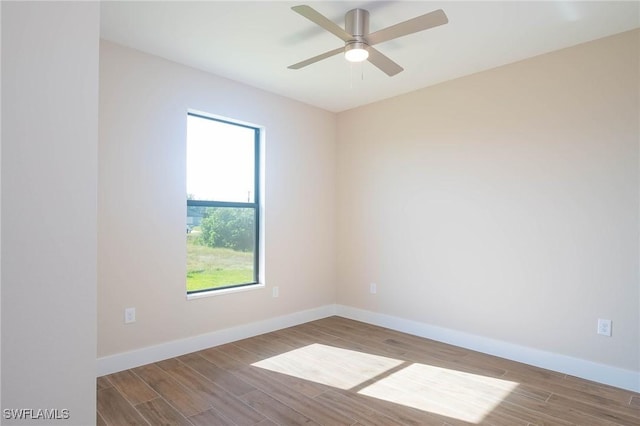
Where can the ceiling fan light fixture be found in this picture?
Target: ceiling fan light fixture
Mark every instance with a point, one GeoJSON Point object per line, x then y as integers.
{"type": "Point", "coordinates": [359, 41]}
{"type": "Point", "coordinates": [356, 51]}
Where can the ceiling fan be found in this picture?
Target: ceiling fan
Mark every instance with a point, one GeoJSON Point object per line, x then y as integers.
{"type": "Point", "coordinates": [359, 42]}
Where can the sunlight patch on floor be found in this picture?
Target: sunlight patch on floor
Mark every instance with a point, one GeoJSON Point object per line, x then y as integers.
{"type": "Point", "coordinates": [451, 393]}
{"type": "Point", "coordinates": [328, 365]}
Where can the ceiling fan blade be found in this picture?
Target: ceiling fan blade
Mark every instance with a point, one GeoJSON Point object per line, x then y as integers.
{"type": "Point", "coordinates": [420, 23]}
{"type": "Point", "coordinates": [385, 64]}
{"type": "Point", "coordinates": [315, 17]}
{"type": "Point", "coordinates": [310, 61]}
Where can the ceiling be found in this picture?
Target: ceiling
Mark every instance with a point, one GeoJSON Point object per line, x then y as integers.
{"type": "Point", "coordinates": [254, 42]}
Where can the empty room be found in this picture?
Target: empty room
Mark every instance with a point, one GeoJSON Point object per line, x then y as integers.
{"type": "Point", "coordinates": [337, 213]}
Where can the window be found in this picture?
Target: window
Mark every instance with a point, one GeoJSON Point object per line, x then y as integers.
{"type": "Point", "coordinates": [223, 195]}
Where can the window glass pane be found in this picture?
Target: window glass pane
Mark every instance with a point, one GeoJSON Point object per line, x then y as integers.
{"type": "Point", "coordinates": [220, 247]}
{"type": "Point", "coordinates": [220, 161]}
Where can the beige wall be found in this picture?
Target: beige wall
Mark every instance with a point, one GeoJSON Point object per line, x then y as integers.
{"type": "Point", "coordinates": [141, 205]}
{"type": "Point", "coordinates": [502, 204]}
{"type": "Point", "coordinates": [49, 184]}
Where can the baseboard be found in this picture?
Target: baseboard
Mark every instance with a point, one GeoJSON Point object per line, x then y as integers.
{"type": "Point", "coordinates": [123, 361]}
{"type": "Point", "coordinates": [614, 376]}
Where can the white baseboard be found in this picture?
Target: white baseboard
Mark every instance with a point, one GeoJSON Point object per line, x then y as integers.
{"type": "Point", "coordinates": [606, 374]}
{"type": "Point", "coordinates": [123, 361]}
{"type": "Point", "coordinates": [614, 376]}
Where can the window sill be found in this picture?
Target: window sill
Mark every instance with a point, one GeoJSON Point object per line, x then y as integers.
{"type": "Point", "coordinates": [212, 293]}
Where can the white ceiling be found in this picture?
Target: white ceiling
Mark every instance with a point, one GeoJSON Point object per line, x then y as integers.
{"type": "Point", "coordinates": [254, 42]}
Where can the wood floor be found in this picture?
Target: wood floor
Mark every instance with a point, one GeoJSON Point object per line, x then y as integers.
{"type": "Point", "coordinates": [337, 371]}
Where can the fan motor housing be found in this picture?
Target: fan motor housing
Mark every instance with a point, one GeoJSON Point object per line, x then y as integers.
{"type": "Point", "coordinates": [356, 22]}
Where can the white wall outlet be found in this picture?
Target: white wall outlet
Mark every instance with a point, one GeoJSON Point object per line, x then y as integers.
{"type": "Point", "coordinates": [129, 315]}
{"type": "Point", "coordinates": [275, 292]}
{"type": "Point", "coordinates": [604, 327]}
{"type": "Point", "coordinates": [373, 288]}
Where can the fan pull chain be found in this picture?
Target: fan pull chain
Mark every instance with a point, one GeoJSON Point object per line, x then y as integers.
{"type": "Point", "coordinates": [351, 72]}
{"type": "Point", "coordinates": [350, 75]}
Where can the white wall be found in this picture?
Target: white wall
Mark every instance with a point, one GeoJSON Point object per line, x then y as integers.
{"type": "Point", "coordinates": [141, 206]}
{"type": "Point", "coordinates": [502, 204]}
{"type": "Point", "coordinates": [49, 181]}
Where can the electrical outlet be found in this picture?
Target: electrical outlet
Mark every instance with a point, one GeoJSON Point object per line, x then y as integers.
{"type": "Point", "coordinates": [373, 288]}
{"type": "Point", "coordinates": [275, 292]}
{"type": "Point", "coordinates": [129, 315]}
{"type": "Point", "coordinates": [604, 327]}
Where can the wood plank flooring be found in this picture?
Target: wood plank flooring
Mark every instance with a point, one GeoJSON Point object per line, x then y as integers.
{"type": "Point", "coordinates": [337, 371]}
